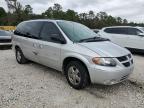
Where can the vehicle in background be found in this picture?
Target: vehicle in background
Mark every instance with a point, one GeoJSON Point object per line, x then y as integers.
{"type": "Point", "coordinates": [8, 28]}
{"type": "Point", "coordinates": [125, 36]}
{"type": "Point", "coordinates": [5, 38]}
{"type": "Point", "coordinates": [74, 49]}
{"type": "Point", "coordinates": [96, 30]}
{"type": "Point", "coordinates": [142, 28]}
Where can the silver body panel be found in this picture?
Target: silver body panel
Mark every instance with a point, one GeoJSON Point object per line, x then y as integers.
{"type": "Point", "coordinates": [53, 54]}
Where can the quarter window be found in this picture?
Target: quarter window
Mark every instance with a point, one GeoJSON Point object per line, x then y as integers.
{"type": "Point", "coordinates": [21, 29]}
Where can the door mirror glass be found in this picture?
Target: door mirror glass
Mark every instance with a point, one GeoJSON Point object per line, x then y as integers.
{"type": "Point", "coordinates": [58, 38]}
{"type": "Point", "coordinates": [141, 34]}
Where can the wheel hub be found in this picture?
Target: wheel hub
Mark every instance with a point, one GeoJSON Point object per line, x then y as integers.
{"type": "Point", "coordinates": [74, 75]}
{"type": "Point", "coordinates": [18, 56]}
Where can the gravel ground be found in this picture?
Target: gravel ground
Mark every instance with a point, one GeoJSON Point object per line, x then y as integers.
{"type": "Point", "coordinates": [36, 86]}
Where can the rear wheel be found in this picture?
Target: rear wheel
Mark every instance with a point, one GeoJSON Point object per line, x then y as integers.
{"type": "Point", "coordinates": [20, 57]}
{"type": "Point", "coordinates": [76, 75]}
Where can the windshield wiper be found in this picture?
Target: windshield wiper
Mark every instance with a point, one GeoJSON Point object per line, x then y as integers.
{"type": "Point", "coordinates": [94, 39]}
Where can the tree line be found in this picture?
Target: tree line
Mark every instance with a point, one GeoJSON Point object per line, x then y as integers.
{"type": "Point", "coordinates": [18, 13]}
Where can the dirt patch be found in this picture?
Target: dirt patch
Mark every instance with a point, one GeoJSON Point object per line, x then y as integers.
{"type": "Point", "coordinates": [36, 86]}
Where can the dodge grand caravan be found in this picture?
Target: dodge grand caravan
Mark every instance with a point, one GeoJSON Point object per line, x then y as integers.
{"type": "Point", "coordinates": [73, 49]}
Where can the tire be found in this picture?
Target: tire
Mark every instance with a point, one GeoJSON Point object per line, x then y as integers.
{"type": "Point", "coordinates": [20, 57]}
{"type": "Point", "coordinates": [80, 71]}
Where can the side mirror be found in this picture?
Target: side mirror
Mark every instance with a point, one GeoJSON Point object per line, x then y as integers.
{"type": "Point", "coordinates": [58, 38]}
{"type": "Point", "coordinates": [141, 34]}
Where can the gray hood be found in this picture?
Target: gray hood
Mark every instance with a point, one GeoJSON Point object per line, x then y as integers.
{"type": "Point", "coordinates": [106, 49]}
{"type": "Point", "coordinates": [5, 37]}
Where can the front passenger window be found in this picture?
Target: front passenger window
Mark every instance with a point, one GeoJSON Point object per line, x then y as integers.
{"type": "Point", "coordinates": [48, 31]}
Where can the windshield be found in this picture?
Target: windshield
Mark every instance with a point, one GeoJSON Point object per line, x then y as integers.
{"type": "Point", "coordinates": [76, 31]}
{"type": "Point", "coordinates": [4, 33]}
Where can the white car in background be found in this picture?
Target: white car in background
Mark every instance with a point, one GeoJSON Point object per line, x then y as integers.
{"type": "Point", "coordinates": [5, 38]}
{"type": "Point", "coordinates": [142, 28]}
{"type": "Point", "coordinates": [125, 36]}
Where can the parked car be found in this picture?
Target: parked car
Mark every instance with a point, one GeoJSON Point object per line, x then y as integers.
{"type": "Point", "coordinates": [142, 28]}
{"type": "Point", "coordinates": [125, 36]}
{"type": "Point", "coordinates": [5, 38]}
{"type": "Point", "coordinates": [74, 49]}
{"type": "Point", "coordinates": [96, 30]}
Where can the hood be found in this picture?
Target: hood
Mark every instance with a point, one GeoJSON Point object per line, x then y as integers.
{"type": "Point", "coordinates": [5, 37]}
{"type": "Point", "coordinates": [106, 48]}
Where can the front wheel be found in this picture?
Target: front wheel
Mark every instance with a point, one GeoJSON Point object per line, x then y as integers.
{"type": "Point", "coordinates": [76, 75]}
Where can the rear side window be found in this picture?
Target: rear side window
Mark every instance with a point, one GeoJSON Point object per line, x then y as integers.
{"type": "Point", "coordinates": [116, 30]}
{"type": "Point", "coordinates": [49, 29]}
{"type": "Point", "coordinates": [133, 31]}
{"type": "Point", "coordinates": [29, 29]}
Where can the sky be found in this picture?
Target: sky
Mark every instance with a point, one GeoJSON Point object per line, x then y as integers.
{"type": "Point", "coordinates": [132, 10]}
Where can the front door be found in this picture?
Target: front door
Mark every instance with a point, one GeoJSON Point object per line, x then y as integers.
{"type": "Point", "coordinates": [49, 50]}
{"type": "Point", "coordinates": [134, 40]}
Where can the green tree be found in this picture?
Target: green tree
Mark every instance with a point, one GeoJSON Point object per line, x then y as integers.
{"type": "Point", "coordinates": [18, 13]}
{"type": "Point", "coordinates": [54, 12]}
{"type": "Point", "coordinates": [71, 15]}
{"type": "Point", "coordinates": [3, 16]}
{"type": "Point", "coordinates": [91, 15]}
{"type": "Point", "coordinates": [119, 20]}
{"type": "Point", "coordinates": [16, 9]}
{"type": "Point", "coordinates": [57, 7]}
{"type": "Point", "coordinates": [28, 10]}
{"type": "Point", "coordinates": [2, 12]}
{"type": "Point", "coordinates": [48, 13]}
{"type": "Point", "coordinates": [125, 21]}
{"type": "Point", "coordinates": [58, 13]}
{"type": "Point", "coordinates": [102, 15]}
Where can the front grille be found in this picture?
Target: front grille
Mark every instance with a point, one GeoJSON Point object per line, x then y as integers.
{"type": "Point", "coordinates": [5, 40]}
{"type": "Point", "coordinates": [129, 55]}
{"type": "Point", "coordinates": [123, 58]}
{"type": "Point", "coordinates": [127, 64]}
{"type": "Point", "coordinates": [124, 77]}
{"type": "Point", "coordinates": [126, 60]}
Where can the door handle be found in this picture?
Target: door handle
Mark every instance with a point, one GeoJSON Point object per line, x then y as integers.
{"type": "Point", "coordinates": [40, 46]}
{"type": "Point", "coordinates": [34, 45]}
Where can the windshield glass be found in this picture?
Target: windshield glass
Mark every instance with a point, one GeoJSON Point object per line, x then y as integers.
{"type": "Point", "coordinates": [76, 31]}
{"type": "Point", "coordinates": [4, 33]}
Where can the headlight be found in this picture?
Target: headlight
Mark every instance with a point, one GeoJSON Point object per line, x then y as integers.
{"type": "Point", "coordinates": [104, 61]}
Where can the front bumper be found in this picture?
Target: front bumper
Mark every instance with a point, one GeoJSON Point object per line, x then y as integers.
{"type": "Point", "coordinates": [109, 75]}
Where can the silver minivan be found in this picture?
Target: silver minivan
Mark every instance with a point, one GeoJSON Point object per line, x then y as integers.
{"type": "Point", "coordinates": [75, 50]}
